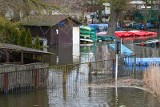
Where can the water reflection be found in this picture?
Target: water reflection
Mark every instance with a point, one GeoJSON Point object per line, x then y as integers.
{"type": "Point", "coordinates": [82, 97]}
{"type": "Point", "coordinates": [70, 88]}
{"type": "Point", "coordinates": [103, 97]}
{"type": "Point", "coordinates": [30, 99]}
{"type": "Point", "coordinates": [63, 55]}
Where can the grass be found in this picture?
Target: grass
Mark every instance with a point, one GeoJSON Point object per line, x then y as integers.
{"type": "Point", "coordinates": [152, 78]}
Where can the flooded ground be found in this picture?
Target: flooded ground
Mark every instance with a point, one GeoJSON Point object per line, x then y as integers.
{"type": "Point", "coordinates": [73, 87]}
{"type": "Point", "coordinates": [82, 97]}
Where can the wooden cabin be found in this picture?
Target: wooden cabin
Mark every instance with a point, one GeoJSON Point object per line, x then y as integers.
{"type": "Point", "coordinates": [57, 29]}
{"type": "Point", "coordinates": [14, 54]}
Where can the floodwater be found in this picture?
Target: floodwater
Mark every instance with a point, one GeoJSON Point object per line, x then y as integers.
{"type": "Point", "coordinates": [82, 97]}
{"type": "Point", "coordinates": [72, 89]}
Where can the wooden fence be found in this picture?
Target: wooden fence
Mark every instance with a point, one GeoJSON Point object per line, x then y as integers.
{"type": "Point", "coordinates": [23, 78]}
{"type": "Point", "coordinates": [19, 78]}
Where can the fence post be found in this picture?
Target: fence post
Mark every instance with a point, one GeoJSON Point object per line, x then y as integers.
{"type": "Point", "coordinates": [134, 66]}
{"type": "Point", "coordinates": [89, 74]}
{"type": "Point", "coordinates": [113, 68]}
{"type": "Point", "coordinates": [64, 82]}
{"type": "Point", "coordinates": [36, 75]}
{"type": "Point", "coordinates": [5, 83]}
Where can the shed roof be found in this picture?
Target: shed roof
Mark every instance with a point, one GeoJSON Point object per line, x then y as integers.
{"type": "Point", "coordinates": [44, 20]}
{"type": "Point", "coordinates": [21, 48]}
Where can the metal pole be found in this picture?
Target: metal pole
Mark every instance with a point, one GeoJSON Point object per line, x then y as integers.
{"type": "Point", "coordinates": [116, 68]}
{"type": "Point", "coordinates": [116, 92]}
{"type": "Point", "coordinates": [121, 45]}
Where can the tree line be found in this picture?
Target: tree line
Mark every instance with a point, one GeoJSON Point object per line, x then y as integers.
{"type": "Point", "coordinates": [12, 33]}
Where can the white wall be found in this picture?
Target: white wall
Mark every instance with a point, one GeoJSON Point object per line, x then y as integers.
{"type": "Point", "coordinates": [76, 44]}
{"type": "Point", "coordinates": [76, 36]}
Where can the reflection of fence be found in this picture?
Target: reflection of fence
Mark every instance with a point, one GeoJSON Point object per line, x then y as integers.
{"type": "Point", "coordinates": [19, 78]}
{"type": "Point", "coordinates": [90, 72]}
{"type": "Point", "coordinates": [70, 80]}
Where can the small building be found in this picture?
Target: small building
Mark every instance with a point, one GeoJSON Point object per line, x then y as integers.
{"type": "Point", "coordinates": [57, 29]}
{"type": "Point", "coordinates": [14, 54]}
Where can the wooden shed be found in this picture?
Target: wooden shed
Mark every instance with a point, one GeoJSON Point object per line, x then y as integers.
{"type": "Point", "coordinates": [14, 54]}
{"type": "Point", "coordinates": [57, 29]}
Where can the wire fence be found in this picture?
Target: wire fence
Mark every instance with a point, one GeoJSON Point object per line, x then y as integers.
{"type": "Point", "coordinates": [15, 79]}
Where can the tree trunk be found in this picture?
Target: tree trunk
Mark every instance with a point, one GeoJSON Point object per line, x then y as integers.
{"type": "Point", "coordinates": [111, 27]}
{"type": "Point", "coordinates": [145, 16]}
{"type": "Point", "coordinates": [112, 21]}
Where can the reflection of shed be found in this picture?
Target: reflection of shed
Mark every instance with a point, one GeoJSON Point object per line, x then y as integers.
{"type": "Point", "coordinates": [16, 54]}
{"type": "Point", "coordinates": [57, 29]}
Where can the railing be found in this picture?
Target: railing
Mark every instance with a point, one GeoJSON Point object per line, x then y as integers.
{"type": "Point", "coordinates": [16, 78]}
{"type": "Point", "coordinates": [20, 78]}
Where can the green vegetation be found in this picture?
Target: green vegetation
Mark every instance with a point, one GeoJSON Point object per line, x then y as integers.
{"type": "Point", "coordinates": [37, 43]}
{"type": "Point", "coordinates": [23, 37]}
{"type": "Point", "coordinates": [37, 46]}
{"type": "Point", "coordinates": [10, 33]}
{"type": "Point", "coordinates": [138, 16]}
{"type": "Point", "coordinates": [28, 40]}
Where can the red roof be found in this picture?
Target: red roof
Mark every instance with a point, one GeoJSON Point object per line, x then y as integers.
{"type": "Point", "coordinates": [135, 34]}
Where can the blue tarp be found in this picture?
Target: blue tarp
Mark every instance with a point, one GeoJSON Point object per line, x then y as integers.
{"type": "Point", "coordinates": [142, 61]}
{"type": "Point", "coordinates": [102, 27]}
{"type": "Point", "coordinates": [99, 27]}
{"type": "Point", "coordinates": [129, 61]}
{"type": "Point", "coordinates": [124, 50]}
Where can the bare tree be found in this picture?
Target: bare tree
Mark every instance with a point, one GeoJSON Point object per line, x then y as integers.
{"type": "Point", "coordinates": [94, 6]}
{"type": "Point", "coordinates": [117, 6]}
{"type": "Point", "coordinates": [18, 8]}
{"type": "Point", "coordinates": [66, 6]}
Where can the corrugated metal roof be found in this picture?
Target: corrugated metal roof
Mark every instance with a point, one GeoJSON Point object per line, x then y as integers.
{"type": "Point", "coordinates": [21, 48]}
{"type": "Point", "coordinates": [43, 20]}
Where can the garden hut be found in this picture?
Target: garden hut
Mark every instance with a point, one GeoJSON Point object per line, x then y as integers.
{"type": "Point", "coordinates": [57, 29]}
{"type": "Point", "coordinates": [14, 54]}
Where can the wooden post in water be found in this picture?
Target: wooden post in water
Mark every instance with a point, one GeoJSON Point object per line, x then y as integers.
{"type": "Point", "coordinates": [134, 66]}
{"type": "Point", "coordinates": [64, 82]}
{"type": "Point", "coordinates": [89, 74]}
{"type": "Point", "coordinates": [5, 83]}
{"type": "Point", "coordinates": [36, 75]}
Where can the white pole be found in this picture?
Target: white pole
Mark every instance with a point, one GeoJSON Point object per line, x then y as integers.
{"type": "Point", "coordinates": [121, 45]}
{"type": "Point", "coordinates": [116, 92]}
{"type": "Point", "coordinates": [116, 68]}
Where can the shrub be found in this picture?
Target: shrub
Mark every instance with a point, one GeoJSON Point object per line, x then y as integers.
{"type": "Point", "coordinates": [37, 43]}
{"type": "Point", "coordinates": [152, 78]}
{"type": "Point", "coordinates": [23, 37]}
{"type": "Point", "coordinates": [28, 39]}
{"type": "Point", "coordinates": [9, 31]}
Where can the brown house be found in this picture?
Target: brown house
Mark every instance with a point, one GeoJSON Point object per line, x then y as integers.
{"type": "Point", "coordinates": [57, 29]}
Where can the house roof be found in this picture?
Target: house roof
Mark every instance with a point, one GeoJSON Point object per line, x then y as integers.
{"type": "Point", "coordinates": [44, 20]}
{"type": "Point", "coordinates": [137, 2]}
{"type": "Point", "coordinates": [21, 48]}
